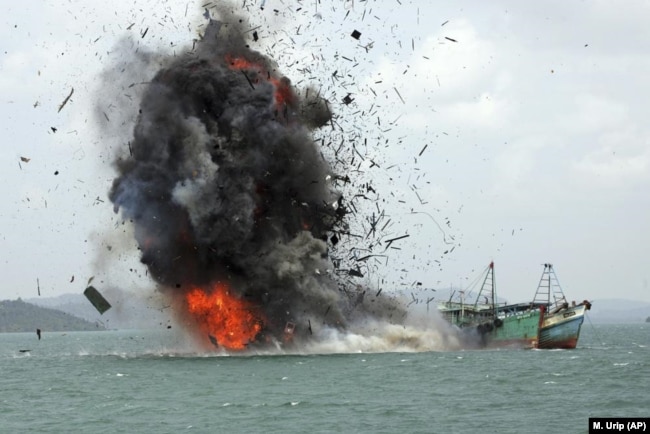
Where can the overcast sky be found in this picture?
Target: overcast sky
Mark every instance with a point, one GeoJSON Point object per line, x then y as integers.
{"type": "Point", "coordinates": [533, 116]}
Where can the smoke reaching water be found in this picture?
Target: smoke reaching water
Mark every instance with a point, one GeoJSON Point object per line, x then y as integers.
{"type": "Point", "coordinates": [233, 208]}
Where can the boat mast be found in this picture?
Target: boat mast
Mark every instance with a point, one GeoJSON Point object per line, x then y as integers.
{"type": "Point", "coordinates": [494, 290]}
{"type": "Point", "coordinates": [549, 292]}
{"type": "Point", "coordinates": [489, 284]}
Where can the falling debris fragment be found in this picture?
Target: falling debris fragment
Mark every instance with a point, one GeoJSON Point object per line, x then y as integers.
{"type": "Point", "coordinates": [38, 333]}
{"type": "Point", "coordinates": [389, 242]}
{"type": "Point", "coordinates": [38, 287]}
{"type": "Point", "coordinates": [65, 101]}
{"type": "Point", "coordinates": [355, 273]}
{"type": "Point", "coordinates": [25, 159]}
{"type": "Point", "coordinates": [450, 39]}
{"type": "Point", "coordinates": [97, 300]}
{"type": "Point", "coordinates": [255, 36]}
{"type": "Point", "coordinates": [398, 94]}
{"type": "Point", "coordinates": [356, 34]}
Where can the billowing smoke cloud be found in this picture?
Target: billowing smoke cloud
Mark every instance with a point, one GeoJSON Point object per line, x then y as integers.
{"type": "Point", "coordinates": [226, 184]}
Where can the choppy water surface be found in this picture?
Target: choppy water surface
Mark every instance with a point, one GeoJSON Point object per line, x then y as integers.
{"type": "Point", "coordinates": [151, 381]}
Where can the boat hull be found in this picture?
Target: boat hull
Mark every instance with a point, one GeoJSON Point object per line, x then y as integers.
{"type": "Point", "coordinates": [518, 330]}
{"type": "Point", "coordinates": [561, 330]}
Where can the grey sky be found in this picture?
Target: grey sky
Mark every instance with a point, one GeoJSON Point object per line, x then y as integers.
{"type": "Point", "coordinates": [533, 117]}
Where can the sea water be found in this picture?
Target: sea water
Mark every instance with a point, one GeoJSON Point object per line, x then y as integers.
{"type": "Point", "coordinates": [151, 381]}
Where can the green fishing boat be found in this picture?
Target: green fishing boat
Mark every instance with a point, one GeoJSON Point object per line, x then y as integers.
{"type": "Point", "coordinates": [491, 324]}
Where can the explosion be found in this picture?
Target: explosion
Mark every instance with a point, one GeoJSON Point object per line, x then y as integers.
{"type": "Point", "coordinates": [233, 204]}
{"type": "Point", "coordinates": [223, 318]}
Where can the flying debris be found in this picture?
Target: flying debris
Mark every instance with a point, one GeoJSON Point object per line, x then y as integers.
{"type": "Point", "coordinates": [390, 241]}
{"type": "Point", "coordinates": [65, 101]}
{"type": "Point", "coordinates": [97, 300]}
{"type": "Point", "coordinates": [356, 34]}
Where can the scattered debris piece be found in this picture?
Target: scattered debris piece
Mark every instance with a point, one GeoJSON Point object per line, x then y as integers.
{"type": "Point", "coordinates": [213, 340]}
{"type": "Point", "coordinates": [400, 96]}
{"type": "Point", "coordinates": [450, 39]}
{"type": "Point", "coordinates": [356, 273]}
{"type": "Point", "coordinates": [53, 129]}
{"type": "Point", "coordinates": [25, 351]}
{"type": "Point", "coordinates": [38, 287]}
{"type": "Point", "coordinates": [356, 34]}
{"type": "Point", "coordinates": [347, 100]}
{"type": "Point", "coordinates": [97, 300]}
{"type": "Point", "coordinates": [255, 36]}
{"type": "Point", "coordinates": [65, 101]}
{"type": "Point", "coordinates": [38, 333]}
{"type": "Point", "coordinates": [389, 242]}
{"type": "Point", "coordinates": [25, 159]}
{"type": "Point", "coordinates": [248, 79]}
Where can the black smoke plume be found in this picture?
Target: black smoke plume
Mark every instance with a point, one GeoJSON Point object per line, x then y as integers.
{"type": "Point", "coordinates": [225, 183]}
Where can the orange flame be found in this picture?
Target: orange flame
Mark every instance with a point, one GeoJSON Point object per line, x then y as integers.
{"type": "Point", "coordinates": [283, 93]}
{"type": "Point", "coordinates": [241, 63]}
{"type": "Point", "coordinates": [228, 320]}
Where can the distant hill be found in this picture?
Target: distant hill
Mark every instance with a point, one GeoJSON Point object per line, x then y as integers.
{"type": "Point", "coordinates": [128, 311]}
{"type": "Point", "coordinates": [18, 316]}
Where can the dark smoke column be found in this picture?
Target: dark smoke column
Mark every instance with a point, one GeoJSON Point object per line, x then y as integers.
{"type": "Point", "coordinates": [226, 184]}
